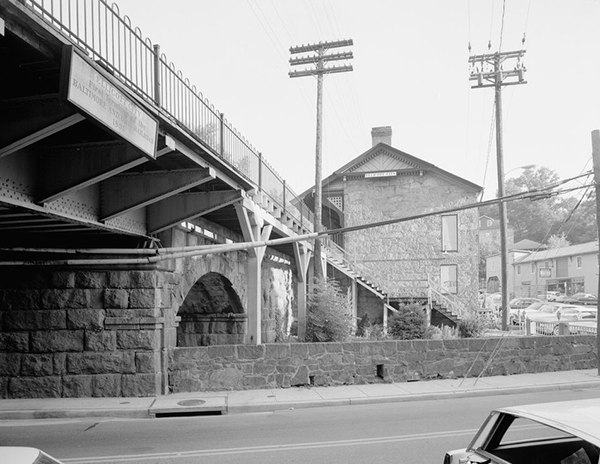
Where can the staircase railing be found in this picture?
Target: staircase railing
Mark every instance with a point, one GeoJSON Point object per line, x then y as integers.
{"type": "Point", "coordinates": [438, 294]}
{"type": "Point", "coordinates": [336, 252]}
{"type": "Point", "coordinates": [435, 292]}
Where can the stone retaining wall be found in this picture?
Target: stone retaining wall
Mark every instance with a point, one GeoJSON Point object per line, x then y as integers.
{"type": "Point", "coordinates": [240, 367]}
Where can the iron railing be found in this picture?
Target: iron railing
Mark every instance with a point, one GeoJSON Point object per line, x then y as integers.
{"type": "Point", "coordinates": [97, 28]}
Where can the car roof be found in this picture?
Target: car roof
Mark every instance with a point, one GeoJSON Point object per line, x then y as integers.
{"type": "Point", "coordinates": [579, 417]}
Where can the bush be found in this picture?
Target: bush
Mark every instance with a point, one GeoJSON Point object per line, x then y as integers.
{"type": "Point", "coordinates": [409, 323]}
{"type": "Point", "coordinates": [363, 326]}
{"type": "Point", "coordinates": [471, 327]}
{"type": "Point", "coordinates": [328, 314]}
{"type": "Point", "coordinates": [435, 333]}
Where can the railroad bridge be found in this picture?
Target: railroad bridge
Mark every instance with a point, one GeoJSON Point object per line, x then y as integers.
{"type": "Point", "coordinates": [134, 218]}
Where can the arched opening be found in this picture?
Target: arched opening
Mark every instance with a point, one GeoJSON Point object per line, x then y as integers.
{"type": "Point", "coordinates": [211, 314]}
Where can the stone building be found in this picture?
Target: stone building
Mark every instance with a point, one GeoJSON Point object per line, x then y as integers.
{"type": "Point", "coordinates": [406, 259]}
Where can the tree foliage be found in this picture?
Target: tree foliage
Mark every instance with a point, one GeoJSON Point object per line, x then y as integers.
{"type": "Point", "coordinates": [544, 217]}
{"type": "Point", "coordinates": [558, 241]}
{"type": "Point", "coordinates": [533, 219]}
{"type": "Point", "coordinates": [329, 313]}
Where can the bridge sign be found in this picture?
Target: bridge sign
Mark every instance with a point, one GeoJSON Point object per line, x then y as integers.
{"type": "Point", "coordinates": [89, 90]}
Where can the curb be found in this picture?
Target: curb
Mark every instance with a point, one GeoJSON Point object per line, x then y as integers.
{"type": "Point", "coordinates": [266, 407]}
{"type": "Point", "coordinates": [145, 412]}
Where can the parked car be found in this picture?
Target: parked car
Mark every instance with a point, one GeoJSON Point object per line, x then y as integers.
{"type": "Point", "coordinates": [548, 433]}
{"type": "Point", "coordinates": [520, 314]}
{"type": "Point", "coordinates": [582, 299]}
{"type": "Point", "coordinates": [25, 455]}
{"type": "Point", "coordinates": [549, 316]}
{"type": "Point", "coordinates": [549, 295]}
{"type": "Point", "coordinates": [516, 305]}
{"type": "Point", "coordinates": [523, 302]}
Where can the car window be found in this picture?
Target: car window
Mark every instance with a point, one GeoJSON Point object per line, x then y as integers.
{"type": "Point", "coordinates": [524, 430]}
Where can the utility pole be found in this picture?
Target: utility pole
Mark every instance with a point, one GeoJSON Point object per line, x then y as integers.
{"type": "Point", "coordinates": [596, 164]}
{"type": "Point", "coordinates": [488, 71]}
{"type": "Point", "coordinates": [318, 60]}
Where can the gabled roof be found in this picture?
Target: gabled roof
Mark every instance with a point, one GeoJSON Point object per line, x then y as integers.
{"type": "Point", "coordinates": [554, 253]}
{"type": "Point", "coordinates": [384, 158]}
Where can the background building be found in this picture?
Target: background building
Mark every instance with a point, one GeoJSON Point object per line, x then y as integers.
{"type": "Point", "coordinates": [406, 258]}
{"type": "Point", "coordinates": [567, 270]}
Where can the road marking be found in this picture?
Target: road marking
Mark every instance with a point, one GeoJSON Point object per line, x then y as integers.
{"type": "Point", "coordinates": [267, 448]}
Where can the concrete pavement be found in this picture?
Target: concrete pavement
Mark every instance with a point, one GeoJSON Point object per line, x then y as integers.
{"type": "Point", "coordinates": [289, 398]}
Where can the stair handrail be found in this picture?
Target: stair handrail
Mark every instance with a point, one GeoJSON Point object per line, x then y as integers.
{"type": "Point", "coordinates": [452, 303]}
{"type": "Point", "coordinates": [349, 261]}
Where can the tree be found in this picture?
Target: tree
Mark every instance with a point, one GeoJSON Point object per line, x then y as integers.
{"type": "Point", "coordinates": [581, 226]}
{"type": "Point", "coordinates": [534, 219]}
{"type": "Point", "coordinates": [329, 313]}
{"type": "Point", "coordinates": [558, 241]}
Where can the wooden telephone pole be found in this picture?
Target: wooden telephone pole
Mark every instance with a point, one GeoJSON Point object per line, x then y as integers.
{"type": "Point", "coordinates": [319, 59]}
{"type": "Point", "coordinates": [488, 71]}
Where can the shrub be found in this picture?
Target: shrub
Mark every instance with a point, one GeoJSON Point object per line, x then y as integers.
{"type": "Point", "coordinates": [435, 333]}
{"type": "Point", "coordinates": [471, 326]}
{"type": "Point", "coordinates": [363, 326]}
{"type": "Point", "coordinates": [329, 313]}
{"type": "Point", "coordinates": [408, 323]}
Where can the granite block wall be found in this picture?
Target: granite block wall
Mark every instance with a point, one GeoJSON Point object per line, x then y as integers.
{"type": "Point", "coordinates": [240, 367]}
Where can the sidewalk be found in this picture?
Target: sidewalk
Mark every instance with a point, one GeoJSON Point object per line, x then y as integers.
{"type": "Point", "coordinates": [234, 402]}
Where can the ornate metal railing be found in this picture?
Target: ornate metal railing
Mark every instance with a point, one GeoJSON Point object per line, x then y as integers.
{"type": "Point", "coordinates": [96, 27]}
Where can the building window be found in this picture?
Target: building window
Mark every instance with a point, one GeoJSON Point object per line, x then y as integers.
{"type": "Point", "coordinates": [578, 262]}
{"type": "Point", "coordinates": [548, 264]}
{"type": "Point", "coordinates": [533, 268]}
{"type": "Point", "coordinates": [450, 232]}
{"type": "Point", "coordinates": [449, 278]}
{"type": "Point", "coordinates": [493, 266]}
{"type": "Point", "coordinates": [519, 270]}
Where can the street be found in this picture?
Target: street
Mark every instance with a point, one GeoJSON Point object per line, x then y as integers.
{"type": "Point", "coordinates": [406, 432]}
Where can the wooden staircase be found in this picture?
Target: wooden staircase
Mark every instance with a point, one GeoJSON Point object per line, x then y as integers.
{"type": "Point", "coordinates": [438, 300]}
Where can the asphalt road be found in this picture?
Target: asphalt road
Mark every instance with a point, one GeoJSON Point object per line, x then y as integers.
{"type": "Point", "coordinates": [410, 432]}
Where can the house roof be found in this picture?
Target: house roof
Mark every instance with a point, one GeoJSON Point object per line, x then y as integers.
{"type": "Point", "coordinates": [553, 253]}
{"type": "Point", "coordinates": [384, 158]}
{"type": "Point", "coordinates": [527, 244]}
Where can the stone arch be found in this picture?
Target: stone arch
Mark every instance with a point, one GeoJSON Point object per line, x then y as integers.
{"type": "Point", "coordinates": [211, 314]}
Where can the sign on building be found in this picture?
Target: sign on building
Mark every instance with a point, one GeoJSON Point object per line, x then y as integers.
{"type": "Point", "coordinates": [545, 272]}
{"type": "Point", "coordinates": [93, 93]}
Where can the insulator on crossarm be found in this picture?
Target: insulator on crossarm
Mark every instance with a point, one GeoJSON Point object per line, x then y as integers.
{"type": "Point", "coordinates": [469, 47]}
{"type": "Point", "coordinates": [489, 44]}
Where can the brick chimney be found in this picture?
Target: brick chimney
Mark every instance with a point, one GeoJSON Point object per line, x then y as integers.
{"type": "Point", "coordinates": [382, 135]}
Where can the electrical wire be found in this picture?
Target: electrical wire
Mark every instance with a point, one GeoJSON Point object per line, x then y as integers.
{"type": "Point", "coordinates": [489, 148]}
{"type": "Point", "coordinates": [502, 26]}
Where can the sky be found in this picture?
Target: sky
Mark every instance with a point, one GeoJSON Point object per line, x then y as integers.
{"type": "Point", "coordinates": [410, 72]}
